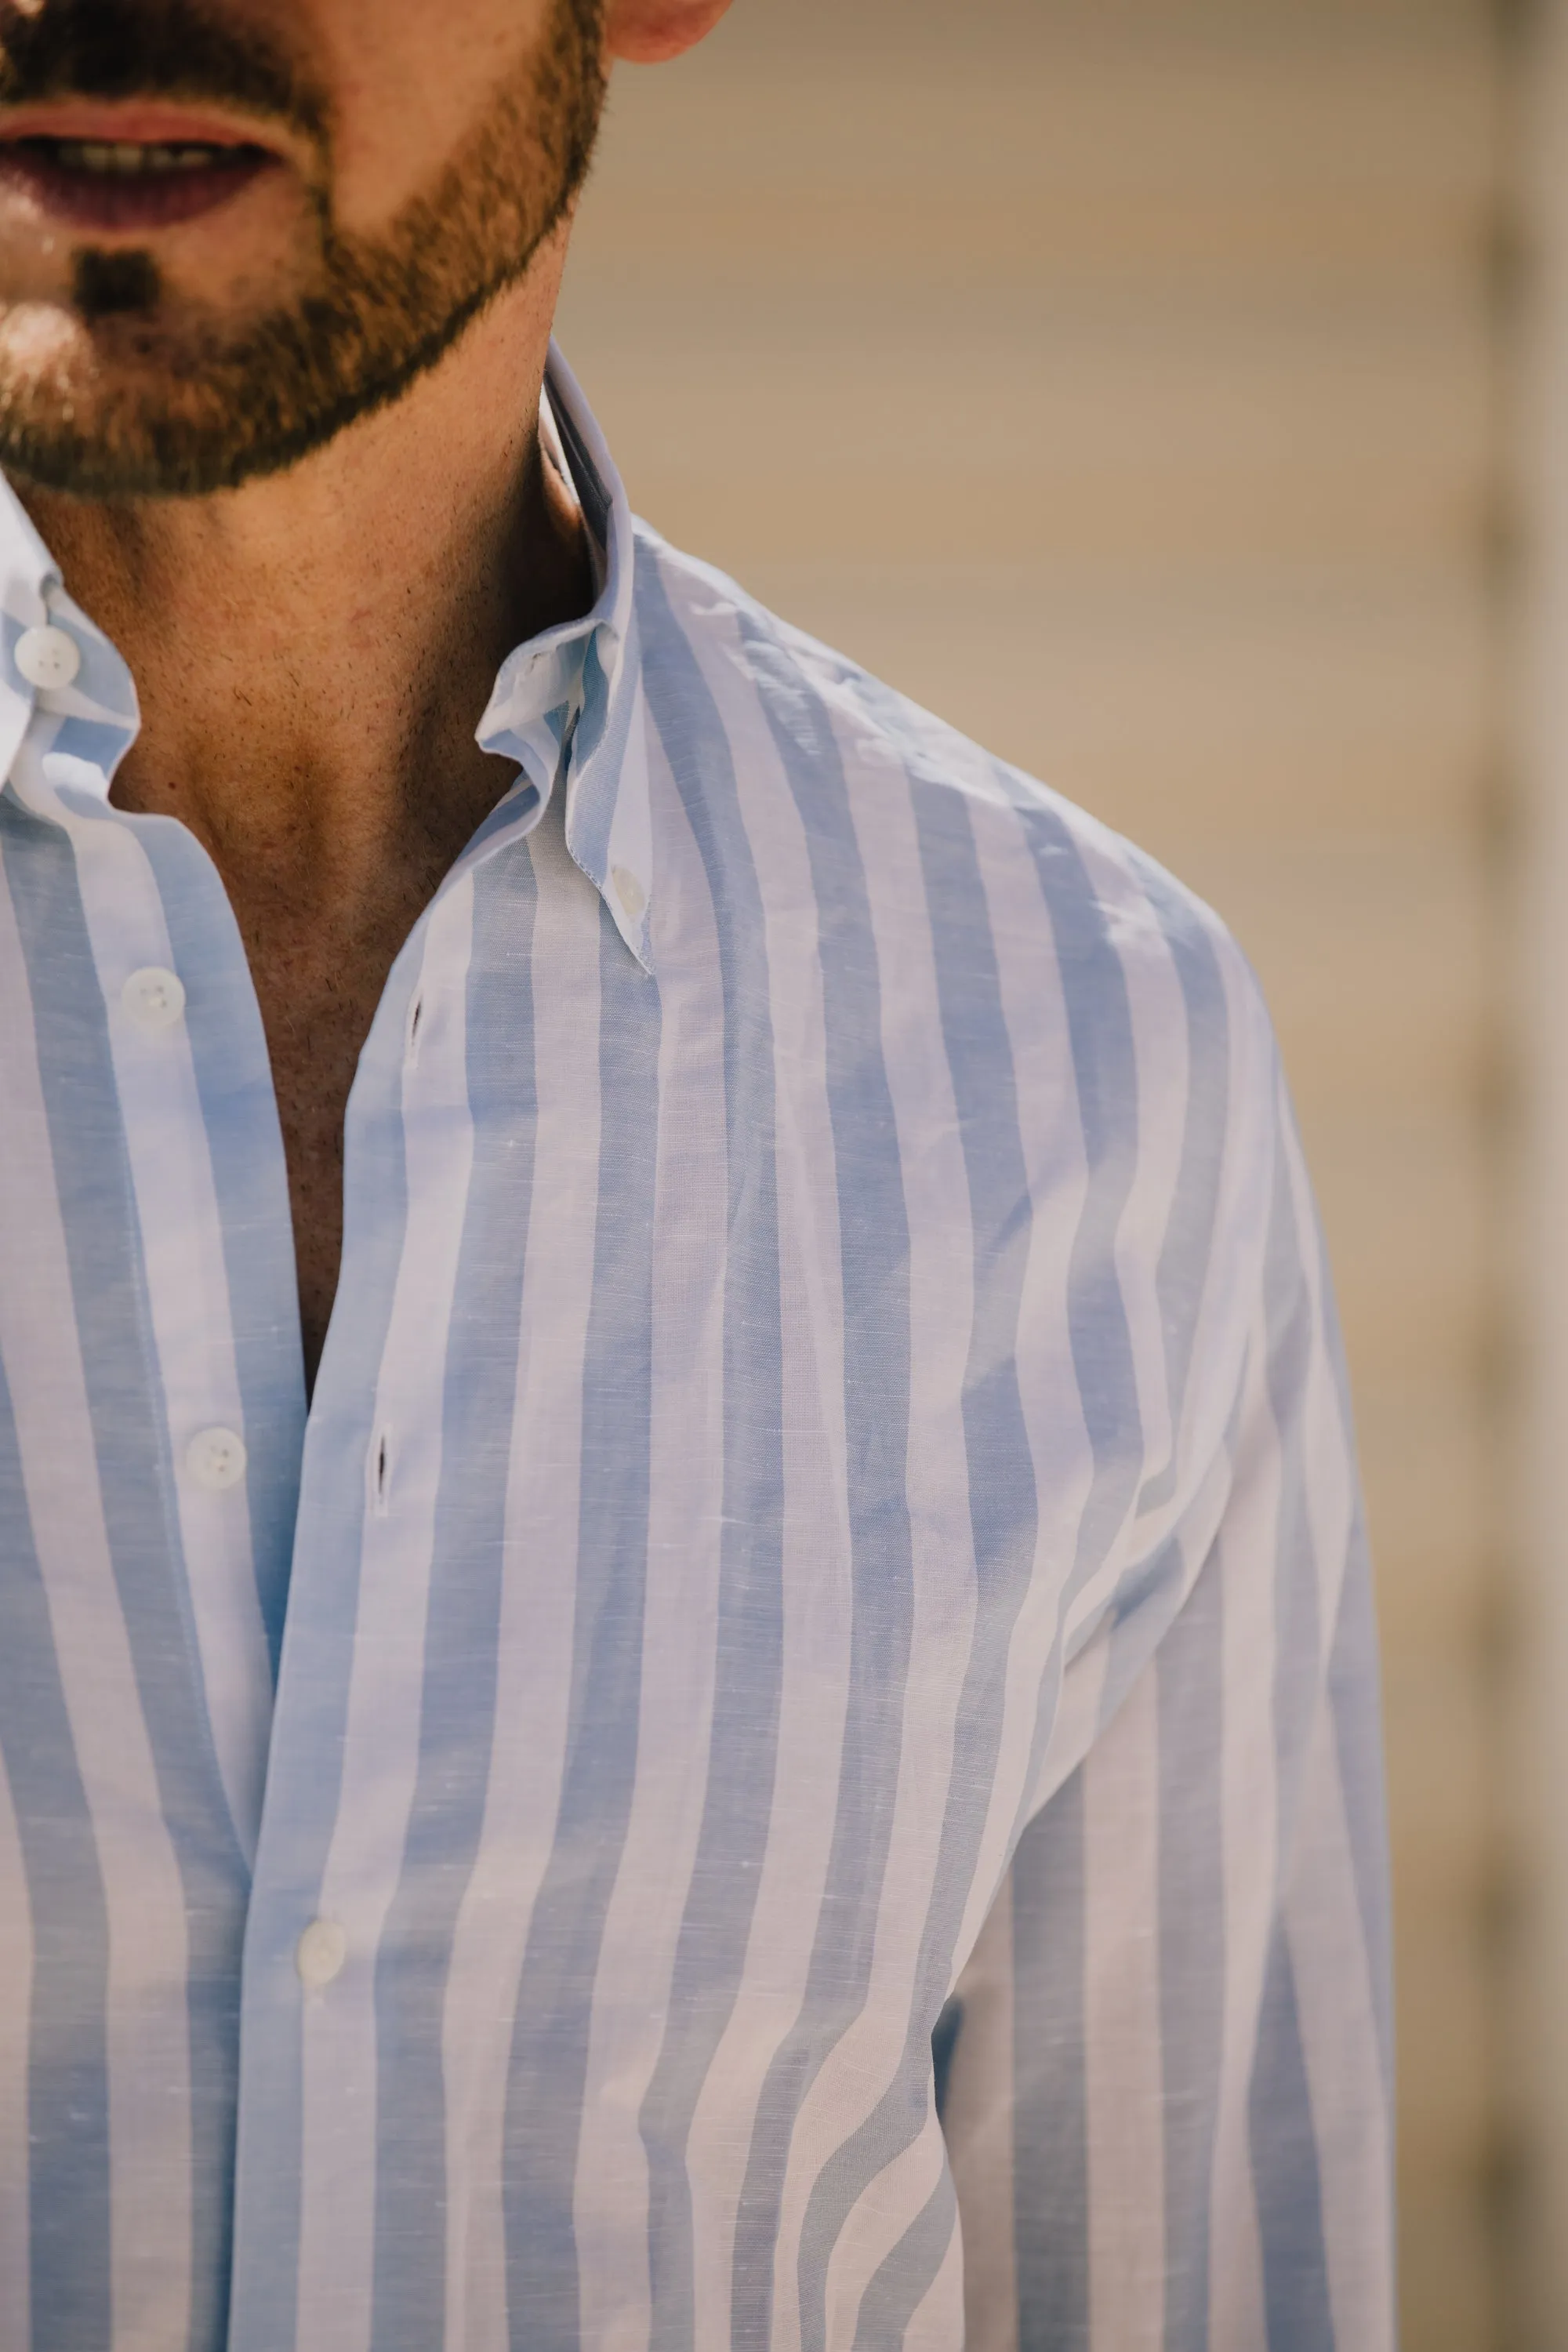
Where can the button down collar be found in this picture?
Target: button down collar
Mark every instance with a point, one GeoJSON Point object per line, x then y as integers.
{"type": "Point", "coordinates": [567, 706]}
{"type": "Point", "coordinates": [90, 717]}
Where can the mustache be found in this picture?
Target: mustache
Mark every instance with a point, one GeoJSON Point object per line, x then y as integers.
{"type": "Point", "coordinates": [172, 49]}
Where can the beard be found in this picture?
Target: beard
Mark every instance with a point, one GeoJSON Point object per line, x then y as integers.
{"type": "Point", "coordinates": [135, 392]}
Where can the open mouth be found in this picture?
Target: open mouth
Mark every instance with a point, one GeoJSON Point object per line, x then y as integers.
{"type": "Point", "coordinates": [92, 175]}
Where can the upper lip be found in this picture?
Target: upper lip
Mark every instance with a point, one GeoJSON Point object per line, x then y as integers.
{"type": "Point", "coordinates": [139, 121]}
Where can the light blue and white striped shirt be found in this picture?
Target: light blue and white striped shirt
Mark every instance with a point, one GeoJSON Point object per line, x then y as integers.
{"type": "Point", "coordinates": [787, 1754]}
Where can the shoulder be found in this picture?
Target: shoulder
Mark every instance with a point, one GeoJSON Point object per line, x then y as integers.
{"type": "Point", "coordinates": [1007, 866]}
{"type": "Point", "coordinates": [1071, 1051]}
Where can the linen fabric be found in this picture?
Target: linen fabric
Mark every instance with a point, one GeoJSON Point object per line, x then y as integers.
{"type": "Point", "coordinates": [788, 1756]}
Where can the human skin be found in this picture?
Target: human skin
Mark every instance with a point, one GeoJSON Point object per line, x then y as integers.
{"type": "Point", "coordinates": [313, 648]}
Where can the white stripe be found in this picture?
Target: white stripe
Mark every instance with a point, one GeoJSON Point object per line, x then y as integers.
{"type": "Point", "coordinates": [629, 850]}
{"type": "Point", "coordinates": [1124, 2079]}
{"type": "Point", "coordinates": [979, 2129]}
{"type": "Point", "coordinates": [16, 2018]}
{"type": "Point", "coordinates": [1075, 1718]}
{"type": "Point", "coordinates": [187, 1282]}
{"type": "Point", "coordinates": [1242, 1211]}
{"type": "Point", "coordinates": [149, 2053]}
{"type": "Point", "coordinates": [381, 1745]}
{"type": "Point", "coordinates": [1334, 1993]}
{"type": "Point", "coordinates": [1330, 1472]}
{"type": "Point", "coordinates": [1247, 1547]}
{"type": "Point", "coordinates": [1157, 1019]}
{"type": "Point", "coordinates": [1344, 2073]}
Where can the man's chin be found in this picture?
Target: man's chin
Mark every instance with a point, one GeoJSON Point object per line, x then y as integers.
{"type": "Point", "coordinates": [125, 406]}
{"type": "Point", "coordinates": [128, 387]}
{"type": "Point", "coordinates": [77, 413]}
{"type": "Point", "coordinates": [102, 423]}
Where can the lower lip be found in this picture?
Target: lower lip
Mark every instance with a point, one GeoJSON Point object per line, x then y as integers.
{"type": "Point", "coordinates": [130, 203]}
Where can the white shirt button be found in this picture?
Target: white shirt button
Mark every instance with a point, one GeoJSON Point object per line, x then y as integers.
{"type": "Point", "coordinates": [321, 1953]}
{"type": "Point", "coordinates": [47, 656]}
{"type": "Point", "coordinates": [154, 998]}
{"type": "Point", "coordinates": [216, 1459]}
{"type": "Point", "coordinates": [628, 890]}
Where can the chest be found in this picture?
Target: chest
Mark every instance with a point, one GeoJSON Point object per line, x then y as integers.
{"type": "Point", "coordinates": [651, 1390]}
{"type": "Point", "coordinates": [584, 1745]}
{"type": "Point", "coordinates": [318, 963]}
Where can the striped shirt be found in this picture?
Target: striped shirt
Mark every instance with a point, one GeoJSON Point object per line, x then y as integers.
{"type": "Point", "coordinates": [786, 1757]}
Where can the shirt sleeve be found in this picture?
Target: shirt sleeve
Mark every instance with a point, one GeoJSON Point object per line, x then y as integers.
{"type": "Point", "coordinates": [1164, 2076]}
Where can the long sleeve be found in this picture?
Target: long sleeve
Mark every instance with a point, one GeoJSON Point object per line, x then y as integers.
{"type": "Point", "coordinates": [1165, 2073]}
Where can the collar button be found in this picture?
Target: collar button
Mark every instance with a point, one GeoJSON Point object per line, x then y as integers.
{"type": "Point", "coordinates": [630, 891]}
{"type": "Point", "coordinates": [46, 657]}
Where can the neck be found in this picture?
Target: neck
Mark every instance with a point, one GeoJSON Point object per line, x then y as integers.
{"type": "Point", "coordinates": [313, 651]}
{"type": "Point", "coordinates": [312, 655]}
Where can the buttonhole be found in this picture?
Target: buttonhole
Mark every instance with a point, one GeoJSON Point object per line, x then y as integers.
{"type": "Point", "coordinates": [415, 1012]}
{"type": "Point", "coordinates": [381, 1474]}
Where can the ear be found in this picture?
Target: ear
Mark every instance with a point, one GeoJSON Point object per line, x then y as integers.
{"type": "Point", "coordinates": [646, 32]}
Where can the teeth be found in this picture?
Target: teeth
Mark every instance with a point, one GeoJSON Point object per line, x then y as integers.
{"type": "Point", "coordinates": [126, 158]}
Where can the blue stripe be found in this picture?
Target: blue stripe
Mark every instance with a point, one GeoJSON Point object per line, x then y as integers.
{"type": "Point", "coordinates": [1149, 1599]}
{"type": "Point", "coordinates": [716, 1925]}
{"type": "Point", "coordinates": [550, 2045]}
{"type": "Point", "coordinates": [1100, 1027]}
{"type": "Point", "coordinates": [1105, 1069]}
{"type": "Point", "coordinates": [1286, 2183]}
{"type": "Point", "coordinates": [467, 1567]}
{"type": "Point", "coordinates": [68, 2066]}
{"type": "Point", "coordinates": [903, 2276]}
{"type": "Point", "coordinates": [874, 1259]}
{"type": "Point", "coordinates": [1050, 2125]}
{"type": "Point", "coordinates": [944, 2042]}
{"type": "Point", "coordinates": [1190, 1711]}
{"type": "Point", "coordinates": [1355, 1685]}
{"type": "Point", "coordinates": [92, 739]}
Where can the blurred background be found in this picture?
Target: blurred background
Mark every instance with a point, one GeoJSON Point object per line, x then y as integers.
{"type": "Point", "coordinates": [1172, 393]}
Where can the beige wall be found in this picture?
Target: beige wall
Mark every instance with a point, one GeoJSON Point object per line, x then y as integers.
{"type": "Point", "coordinates": [1121, 382]}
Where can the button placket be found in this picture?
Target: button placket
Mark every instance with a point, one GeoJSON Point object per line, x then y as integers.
{"type": "Point", "coordinates": [216, 1459]}
{"type": "Point", "coordinates": [154, 998]}
{"type": "Point", "coordinates": [412, 1070]}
